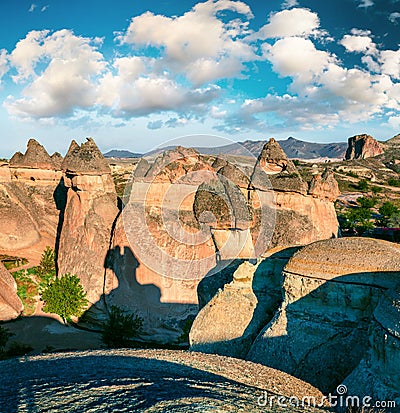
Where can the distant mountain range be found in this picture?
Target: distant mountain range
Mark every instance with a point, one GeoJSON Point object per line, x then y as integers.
{"type": "Point", "coordinates": [117, 153]}
{"type": "Point", "coordinates": [294, 149]}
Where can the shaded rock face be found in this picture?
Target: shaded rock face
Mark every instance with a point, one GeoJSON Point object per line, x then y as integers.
{"type": "Point", "coordinates": [362, 147]}
{"type": "Point", "coordinates": [245, 297]}
{"type": "Point", "coordinates": [331, 289]}
{"type": "Point", "coordinates": [324, 186]}
{"type": "Point", "coordinates": [10, 304]}
{"type": "Point", "coordinates": [90, 211]}
{"type": "Point", "coordinates": [378, 374]}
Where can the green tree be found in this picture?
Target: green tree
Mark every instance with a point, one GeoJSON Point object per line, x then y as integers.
{"type": "Point", "coordinates": [47, 267]}
{"type": "Point", "coordinates": [121, 328]}
{"type": "Point", "coordinates": [65, 296]}
{"type": "Point", "coordinates": [358, 219]}
{"type": "Point", "coordinates": [367, 203]}
{"type": "Point", "coordinates": [389, 212]}
{"type": "Point", "coordinates": [393, 182]}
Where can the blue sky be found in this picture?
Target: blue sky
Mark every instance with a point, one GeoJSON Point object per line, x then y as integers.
{"type": "Point", "coordinates": [136, 74]}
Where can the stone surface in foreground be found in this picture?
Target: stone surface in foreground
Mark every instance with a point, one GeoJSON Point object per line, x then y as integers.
{"type": "Point", "coordinates": [141, 381]}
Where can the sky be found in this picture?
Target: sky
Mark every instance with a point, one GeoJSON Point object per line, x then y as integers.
{"type": "Point", "coordinates": [134, 75]}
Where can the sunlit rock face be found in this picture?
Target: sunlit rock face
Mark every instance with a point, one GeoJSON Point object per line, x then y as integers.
{"type": "Point", "coordinates": [331, 289]}
{"type": "Point", "coordinates": [362, 147]}
{"type": "Point", "coordinates": [10, 304]}
{"type": "Point", "coordinates": [31, 194]}
{"type": "Point", "coordinates": [159, 252]}
{"type": "Point", "coordinates": [90, 211]}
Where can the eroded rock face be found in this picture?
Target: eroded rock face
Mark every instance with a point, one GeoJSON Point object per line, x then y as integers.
{"type": "Point", "coordinates": [236, 304]}
{"type": "Point", "coordinates": [156, 260]}
{"type": "Point", "coordinates": [378, 374]}
{"type": "Point", "coordinates": [90, 212]}
{"type": "Point", "coordinates": [31, 197]}
{"type": "Point", "coordinates": [324, 186]}
{"type": "Point", "coordinates": [331, 289]}
{"type": "Point", "coordinates": [10, 304]}
{"type": "Point", "coordinates": [362, 147]}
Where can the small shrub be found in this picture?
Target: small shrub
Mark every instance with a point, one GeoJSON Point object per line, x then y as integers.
{"type": "Point", "coordinates": [393, 182]}
{"type": "Point", "coordinates": [65, 296]}
{"type": "Point", "coordinates": [363, 185]}
{"type": "Point", "coordinates": [121, 328]}
{"type": "Point", "coordinates": [367, 202]}
{"type": "Point", "coordinates": [376, 189]}
{"type": "Point", "coordinates": [352, 174]}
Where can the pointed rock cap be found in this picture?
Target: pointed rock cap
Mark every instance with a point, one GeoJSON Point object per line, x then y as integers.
{"type": "Point", "coordinates": [273, 170]}
{"type": "Point", "coordinates": [85, 159]}
{"type": "Point", "coordinates": [35, 157]}
{"type": "Point", "coordinates": [57, 160]}
{"type": "Point", "coordinates": [324, 186]}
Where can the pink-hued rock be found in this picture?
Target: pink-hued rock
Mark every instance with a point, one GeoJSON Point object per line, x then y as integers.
{"type": "Point", "coordinates": [10, 304]}
{"type": "Point", "coordinates": [362, 147]}
{"type": "Point", "coordinates": [89, 215]}
{"type": "Point", "coordinates": [324, 186]}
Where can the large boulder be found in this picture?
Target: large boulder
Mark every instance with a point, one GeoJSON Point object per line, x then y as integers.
{"type": "Point", "coordinates": [236, 304]}
{"type": "Point", "coordinates": [10, 304]}
{"type": "Point", "coordinates": [331, 289]}
{"type": "Point", "coordinates": [362, 147]}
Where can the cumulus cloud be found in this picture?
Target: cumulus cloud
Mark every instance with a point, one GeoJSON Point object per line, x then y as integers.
{"type": "Point", "coordinates": [198, 43]}
{"type": "Point", "coordinates": [293, 22]}
{"type": "Point", "coordinates": [357, 43]}
{"type": "Point", "coordinates": [32, 8]}
{"type": "Point", "coordinates": [66, 82]}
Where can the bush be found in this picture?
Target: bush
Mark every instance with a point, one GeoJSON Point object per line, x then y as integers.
{"type": "Point", "coordinates": [65, 296]}
{"type": "Point", "coordinates": [367, 202]}
{"type": "Point", "coordinates": [393, 182]}
{"type": "Point", "coordinates": [363, 185]}
{"type": "Point", "coordinates": [390, 215]}
{"type": "Point", "coordinates": [120, 328]}
{"type": "Point", "coordinates": [47, 264]}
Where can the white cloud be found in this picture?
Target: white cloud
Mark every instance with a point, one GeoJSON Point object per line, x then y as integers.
{"type": "Point", "coordinates": [197, 43]}
{"type": "Point", "coordinates": [66, 82]}
{"type": "Point", "coordinates": [393, 17]}
{"type": "Point", "coordinates": [366, 3]}
{"type": "Point", "coordinates": [394, 122]}
{"type": "Point", "coordinates": [287, 4]}
{"type": "Point", "coordinates": [298, 58]}
{"type": "Point", "coordinates": [44, 8]}
{"type": "Point", "coordinates": [357, 43]}
{"type": "Point", "coordinates": [32, 8]}
{"type": "Point", "coordinates": [293, 22]}
{"type": "Point", "coordinates": [3, 63]}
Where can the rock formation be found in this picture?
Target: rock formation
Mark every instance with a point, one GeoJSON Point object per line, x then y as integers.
{"type": "Point", "coordinates": [10, 304]}
{"type": "Point", "coordinates": [237, 306]}
{"type": "Point", "coordinates": [31, 191]}
{"type": "Point", "coordinates": [362, 147]}
{"type": "Point", "coordinates": [377, 376]}
{"type": "Point", "coordinates": [331, 289]}
{"type": "Point", "coordinates": [90, 211]}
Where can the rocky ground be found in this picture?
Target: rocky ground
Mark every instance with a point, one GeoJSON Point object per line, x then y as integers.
{"type": "Point", "coordinates": [143, 381]}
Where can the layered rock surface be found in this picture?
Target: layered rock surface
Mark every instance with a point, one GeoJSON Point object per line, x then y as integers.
{"type": "Point", "coordinates": [331, 289]}
{"type": "Point", "coordinates": [10, 304]}
{"type": "Point", "coordinates": [31, 197]}
{"type": "Point", "coordinates": [90, 211]}
{"type": "Point", "coordinates": [362, 147]}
